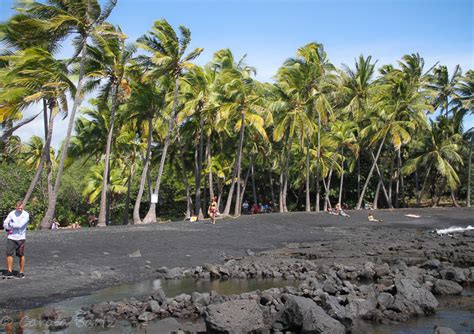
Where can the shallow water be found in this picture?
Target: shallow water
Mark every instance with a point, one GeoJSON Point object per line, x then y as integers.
{"type": "Point", "coordinates": [457, 314]}
{"type": "Point", "coordinates": [70, 307]}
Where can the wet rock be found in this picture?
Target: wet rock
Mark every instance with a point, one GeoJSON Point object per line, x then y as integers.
{"type": "Point", "coordinates": [360, 307]}
{"type": "Point", "coordinates": [443, 330]}
{"type": "Point", "coordinates": [153, 306]}
{"type": "Point", "coordinates": [304, 315]}
{"type": "Point", "coordinates": [183, 298]}
{"type": "Point", "coordinates": [384, 300]}
{"type": "Point", "coordinates": [159, 296]}
{"type": "Point", "coordinates": [413, 298]}
{"type": "Point", "coordinates": [213, 270]}
{"type": "Point", "coordinates": [235, 316]}
{"type": "Point", "coordinates": [445, 287]}
{"type": "Point", "coordinates": [453, 274]}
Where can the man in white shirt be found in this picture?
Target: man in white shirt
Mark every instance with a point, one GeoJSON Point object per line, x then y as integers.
{"type": "Point", "coordinates": [15, 226]}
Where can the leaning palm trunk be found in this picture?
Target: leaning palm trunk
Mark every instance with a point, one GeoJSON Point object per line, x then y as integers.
{"type": "Point", "coordinates": [244, 186]}
{"type": "Point", "coordinates": [105, 184]}
{"type": "Point", "coordinates": [239, 159]}
{"type": "Point", "coordinates": [328, 189]}
{"type": "Point", "coordinates": [47, 220]}
{"type": "Point", "coordinates": [369, 177]}
{"type": "Point", "coordinates": [453, 197]}
{"type": "Point", "coordinates": [151, 215]}
{"type": "Point", "coordinates": [419, 196]}
{"type": "Point", "coordinates": [231, 192]}
{"type": "Point", "coordinates": [376, 197]}
{"type": "Point", "coordinates": [308, 189]}
{"type": "Point", "coordinates": [381, 179]}
{"type": "Point", "coordinates": [136, 208]}
{"type": "Point", "coordinates": [342, 177]}
{"type": "Point", "coordinates": [44, 155]}
{"type": "Point", "coordinates": [469, 166]}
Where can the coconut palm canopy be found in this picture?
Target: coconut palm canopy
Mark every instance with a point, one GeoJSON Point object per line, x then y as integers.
{"type": "Point", "coordinates": [163, 133]}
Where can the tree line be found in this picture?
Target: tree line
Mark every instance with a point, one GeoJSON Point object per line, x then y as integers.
{"type": "Point", "coordinates": [158, 125]}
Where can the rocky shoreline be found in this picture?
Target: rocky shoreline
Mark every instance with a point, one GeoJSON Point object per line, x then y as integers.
{"type": "Point", "coordinates": [383, 282]}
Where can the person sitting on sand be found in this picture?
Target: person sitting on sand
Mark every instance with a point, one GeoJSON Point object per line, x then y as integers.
{"type": "Point", "coordinates": [340, 212]}
{"type": "Point", "coordinates": [371, 218]}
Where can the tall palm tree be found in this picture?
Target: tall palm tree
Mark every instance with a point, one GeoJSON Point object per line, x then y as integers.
{"type": "Point", "coordinates": [167, 57]}
{"type": "Point", "coordinates": [106, 60]}
{"type": "Point", "coordinates": [58, 19]}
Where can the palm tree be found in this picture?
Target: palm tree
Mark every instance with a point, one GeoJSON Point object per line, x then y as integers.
{"type": "Point", "coordinates": [167, 58]}
{"type": "Point", "coordinates": [398, 109]}
{"type": "Point", "coordinates": [34, 75]}
{"type": "Point", "coordinates": [198, 108]}
{"type": "Point", "coordinates": [58, 19]}
{"type": "Point", "coordinates": [442, 155]}
{"type": "Point", "coordinates": [240, 105]}
{"type": "Point", "coordinates": [106, 61]}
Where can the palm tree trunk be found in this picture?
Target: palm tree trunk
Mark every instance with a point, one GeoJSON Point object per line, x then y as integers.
{"type": "Point", "coordinates": [8, 131]}
{"type": "Point", "coordinates": [326, 197]}
{"type": "Point", "coordinates": [198, 164]}
{"type": "Point", "coordinates": [308, 188]}
{"type": "Point", "coordinates": [377, 192]}
{"type": "Point", "coordinates": [231, 192]}
{"type": "Point", "coordinates": [402, 182]}
{"type": "Point", "coordinates": [469, 166]}
{"type": "Point", "coordinates": [271, 189]}
{"type": "Point", "coordinates": [383, 185]}
{"type": "Point", "coordinates": [48, 128]}
{"type": "Point", "coordinates": [422, 190]}
{"type": "Point", "coordinates": [317, 164]}
{"type": "Point", "coordinates": [239, 160]}
{"type": "Point", "coordinates": [453, 197]}
{"type": "Point", "coordinates": [141, 188]}
{"type": "Point", "coordinates": [342, 177]}
{"type": "Point", "coordinates": [129, 192]}
{"type": "Point", "coordinates": [358, 175]}
{"type": "Point", "coordinates": [47, 220]}
{"type": "Point", "coordinates": [151, 214]}
{"type": "Point", "coordinates": [209, 164]}
{"type": "Point", "coordinates": [280, 190]}
{"type": "Point", "coordinates": [244, 186]}
{"type": "Point", "coordinates": [366, 184]}
{"type": "Point", "coordinates": [286, 175]}
{"type": "Point", "coordinates": [254, 189]}
{"type": "Point", "coordinates": [390, 182]}
{"type": "Point", "coordinates": [105, 184]}
{"type": "Point", "coordinates": [417, 187]}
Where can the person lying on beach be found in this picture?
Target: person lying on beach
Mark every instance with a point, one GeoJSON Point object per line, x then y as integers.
{"type": "Point", "coordinates": [371, 218]}
{"type": "Point", "coordinates": [331, 211]}
{"type": "Point", "coordinates": [340, 212]}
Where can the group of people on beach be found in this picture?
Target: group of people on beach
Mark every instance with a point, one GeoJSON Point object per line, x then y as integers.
{"type": "Point", "coordinates": [338, 211]}
{"type": "Point", "coordinates": [256, 208]}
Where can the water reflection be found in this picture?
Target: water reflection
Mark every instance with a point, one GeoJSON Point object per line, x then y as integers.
{"type": "Point", "coordinates": [30, 321]}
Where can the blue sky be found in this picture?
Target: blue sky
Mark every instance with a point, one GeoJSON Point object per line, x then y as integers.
{"type": "Point", "coordinates": [271, 31]}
